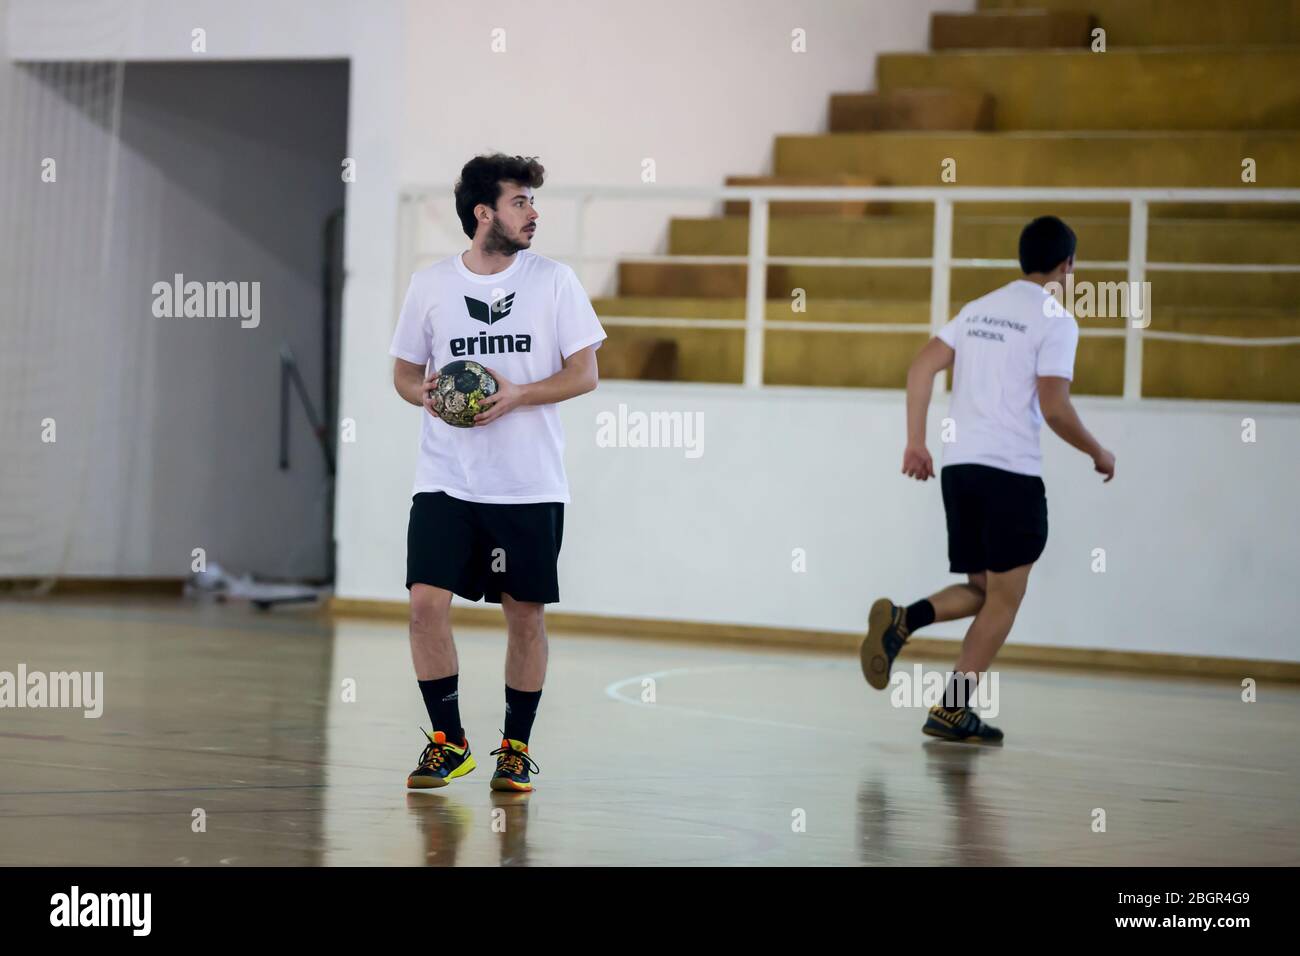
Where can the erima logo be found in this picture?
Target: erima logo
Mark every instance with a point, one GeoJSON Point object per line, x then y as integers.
{"type": "Point", "coordinates": [487, 314]}
{"type": "Point", "coordinates": [484, 344]}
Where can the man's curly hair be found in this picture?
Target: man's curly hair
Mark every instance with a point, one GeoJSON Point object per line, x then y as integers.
{"type": "Point", "coordinates": [481, 178]}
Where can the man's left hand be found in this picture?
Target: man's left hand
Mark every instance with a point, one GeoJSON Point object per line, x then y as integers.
{"type": "Point", "coordinates": [507, 396]}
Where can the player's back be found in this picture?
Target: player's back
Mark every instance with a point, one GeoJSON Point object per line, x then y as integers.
{"type": "Point", "coordinates": [1004, 342]}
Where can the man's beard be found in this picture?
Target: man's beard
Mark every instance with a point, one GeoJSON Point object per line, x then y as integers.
{"type": "Point", "coordinates": [499, 244]}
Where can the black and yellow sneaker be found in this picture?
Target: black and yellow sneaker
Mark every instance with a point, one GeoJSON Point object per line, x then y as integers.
{"type": "Point", "coordinates": [960, 724]}
{"type": "Point", "coordinates": [513, 765]}
{"type": "Point", "coordinates": [886, 634]}
{"type": "Point", "coordinates": [440, 763]}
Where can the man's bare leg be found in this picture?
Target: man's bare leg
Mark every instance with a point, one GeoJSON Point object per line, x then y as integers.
{"type": "Point", "coordinates": [988, 632]}
{"type": "Point", "coordinates": [953, 718]}
{"type": "Point", "coordinates": [959, 600]}
{"type": "Point", "coordinates": [526, 648]}
{"type": "Point", "coordinates": [433, 652]}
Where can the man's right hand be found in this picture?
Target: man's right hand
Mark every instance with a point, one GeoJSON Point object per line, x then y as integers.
{"type": "Point", "coordinates": [426, 390]}
{"type": "Point", "coordinates": [1104, 464]}
{"type": "Point", "coordinates": [917, 462]}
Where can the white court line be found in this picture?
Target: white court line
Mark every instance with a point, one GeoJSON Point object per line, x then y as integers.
{"type": "Point", "coordinates": [612, 691]}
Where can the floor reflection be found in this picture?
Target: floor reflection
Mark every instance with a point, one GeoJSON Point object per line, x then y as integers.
{"type": "Point", "coordinates": [442, 823]}
{"type": "Point", "coordinates": [510, 824]}
{"type": "Point", "coordinates": [977, 836]}
{"type": "Point", "coordinates": [874, 824]}
{"type": "Point", "coordinates": [894, 829]}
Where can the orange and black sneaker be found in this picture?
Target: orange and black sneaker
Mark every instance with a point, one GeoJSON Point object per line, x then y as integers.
{"type": "Point", "coordinates": [440, 763]}
{"type": "Point", "coordinates": [961, 724]}
{"type": "Point", "coordinates": [513, 765]}
{"type": "Point", "coordinates": [887, 632]}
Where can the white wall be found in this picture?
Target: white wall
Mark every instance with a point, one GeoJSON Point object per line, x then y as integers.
{"type": "Point", "coordinates": [594, 89]}
{"type": "Point", "coordinates": [161, 29]}
{"type": "Point", "coordinates": [1200, 530]}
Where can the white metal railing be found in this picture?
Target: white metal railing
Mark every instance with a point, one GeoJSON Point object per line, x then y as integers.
{"type": "Point", "coordinates": [940, 262]}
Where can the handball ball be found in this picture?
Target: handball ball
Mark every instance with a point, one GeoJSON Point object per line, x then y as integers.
{"type": "Point", "coordinates": [460, 387]}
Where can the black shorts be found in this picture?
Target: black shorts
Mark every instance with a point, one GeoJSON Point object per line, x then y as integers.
{"type": "Point", "coordinates": [479, 550]}
{"type": "Point", "coordinates": [997, 520]}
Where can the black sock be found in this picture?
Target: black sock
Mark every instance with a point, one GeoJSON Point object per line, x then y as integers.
{"type": "Point", "coordinates": [442, 701]}
{"type": "Point", "coordinates": [521, 708]}
{"type": "Point", "coordinates": [960, 691]}
{"type": "Point", "coordinates": [918, 615]}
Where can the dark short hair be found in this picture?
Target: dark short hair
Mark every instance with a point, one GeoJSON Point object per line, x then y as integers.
{"type": "Point", "coordinates": [481, 178]}
{"type": "Point", "coordinates": [1044, 244]}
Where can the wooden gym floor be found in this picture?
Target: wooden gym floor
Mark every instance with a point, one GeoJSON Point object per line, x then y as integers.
{"type": "Point", "coordinates": [241, 716]}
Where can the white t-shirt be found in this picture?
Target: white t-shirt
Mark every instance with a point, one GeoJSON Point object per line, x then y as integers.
{"type": "Point", "coordinates": [1004, 342]}
{"type": "Point", "coordinates": [521, 322]}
